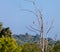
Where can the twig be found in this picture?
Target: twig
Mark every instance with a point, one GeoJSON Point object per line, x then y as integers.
{"type": "Point", "coordinates": [34, 29]}
{"type": "Point", "coordinates": [31, 30]}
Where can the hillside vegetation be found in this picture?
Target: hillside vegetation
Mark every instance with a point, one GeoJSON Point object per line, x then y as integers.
{"type": "Point", "coordinates": [24, 42]}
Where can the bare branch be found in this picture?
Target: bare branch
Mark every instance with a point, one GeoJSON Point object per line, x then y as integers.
{"type": "Point", "coordinates": [33, 13]}
{"type": "Point", "coordinates": [51, 26]}
{"type": "Point", "coordinates": [55, 37]}
{"type": "Point", "coordinates": [33, 2]}
{"type": "Point", "coordinates": [31, 29]}
{"type": "Point", "coordinates": [49, 29]}
{"type": "Point", "coordinates": [40, 13]}
{"type": "Point", "coordinates": [36, 10]}
{"type": "Point", "coordinates": [34, 29]}
{"type": "Point", "coordinates": [30, 11]}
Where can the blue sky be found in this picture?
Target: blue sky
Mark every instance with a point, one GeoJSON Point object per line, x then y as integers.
{"type": "Point", "coordinates": [17, 20]}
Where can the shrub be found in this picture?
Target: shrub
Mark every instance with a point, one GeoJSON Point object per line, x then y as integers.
{"type": "Point", "coordinates": [30, 48]}
{"type": "Point", "coordinates": [8, 44]}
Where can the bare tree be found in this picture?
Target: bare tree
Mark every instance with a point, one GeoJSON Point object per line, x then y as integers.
{"type": "Point", "coordinates": [39, 16]}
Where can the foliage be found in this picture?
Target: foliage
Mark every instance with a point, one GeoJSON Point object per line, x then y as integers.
{"type": "Point", "coordinates": [57, 46]}
{"type": "Point", "coordinates": [1, 26]}
{"type": "Point", "coordinates": [8, 44]}
{"type": "Point", "coordinates": [30, 48]}
{"type": "Point", "coordinates": [6, 32]}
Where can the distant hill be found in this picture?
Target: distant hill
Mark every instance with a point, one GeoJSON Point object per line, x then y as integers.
{"type": "Point", "coordinates": [26, 38]}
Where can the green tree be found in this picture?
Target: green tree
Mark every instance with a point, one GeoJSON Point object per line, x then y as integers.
{"type": "Point", "coordinates": [30, 48]}
{"type": "Point", "coordinates": [8, 44]}
{"type": "Point", "coordinates": [6, 32]}
{"type": "Point", "coordinates": [1, 26]}
{"type": "Point", "coordinates": [57, 46]}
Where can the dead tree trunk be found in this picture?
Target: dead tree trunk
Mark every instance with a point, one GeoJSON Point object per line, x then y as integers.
{"type": "Point", "coordinates": [41, 33]}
